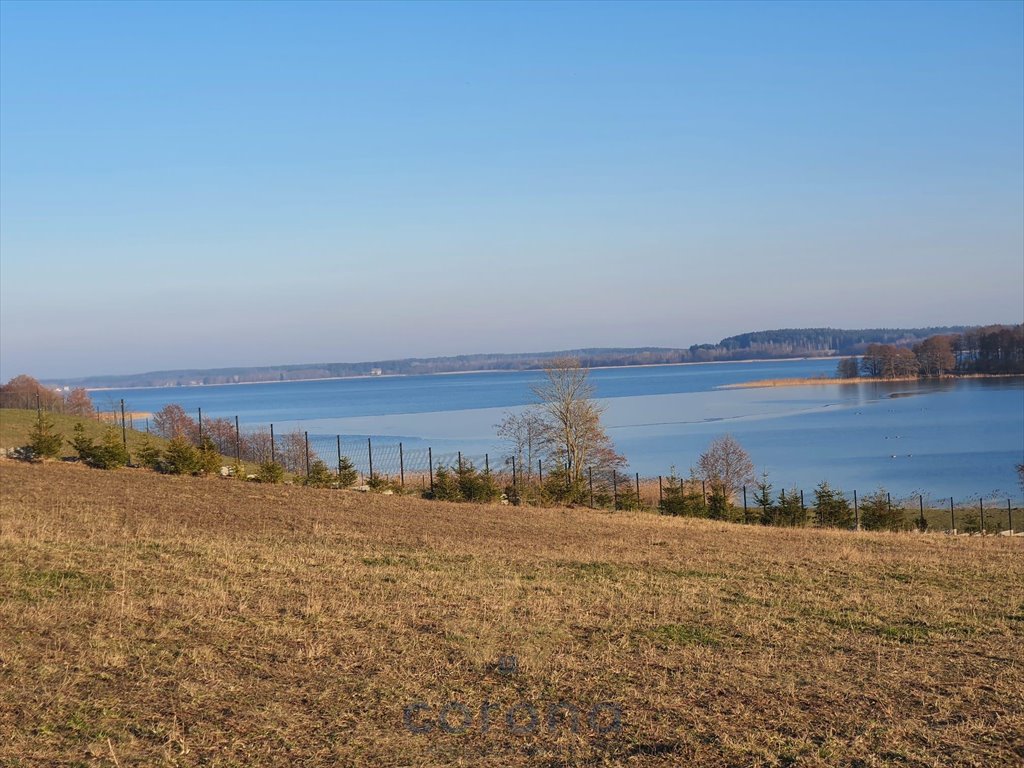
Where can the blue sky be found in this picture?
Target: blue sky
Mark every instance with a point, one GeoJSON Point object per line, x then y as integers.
{"type": "Point", "coordinates": [199, 184]}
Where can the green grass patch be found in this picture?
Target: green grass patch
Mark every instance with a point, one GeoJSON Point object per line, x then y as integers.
{"type": "Point", "coordinates": [682, 634]}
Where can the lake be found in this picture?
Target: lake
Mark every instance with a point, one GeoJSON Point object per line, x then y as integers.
{"type": "Point", "coordinates": [957, 438]}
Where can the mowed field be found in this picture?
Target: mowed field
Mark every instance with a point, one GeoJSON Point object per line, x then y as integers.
{"type": "Point", "coordinates": [150, 620]}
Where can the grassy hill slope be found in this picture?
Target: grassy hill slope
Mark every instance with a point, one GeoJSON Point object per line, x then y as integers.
{"type": "Point", "coordinates": [158, 620]}
{"type": "Point", "coordinates": [15, 424]}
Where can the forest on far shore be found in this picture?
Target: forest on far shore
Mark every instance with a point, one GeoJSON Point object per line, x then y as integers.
{"type": "Point", "coordinates": [782, 343]}
{"type": "Point", "coordinates": [992, 350]}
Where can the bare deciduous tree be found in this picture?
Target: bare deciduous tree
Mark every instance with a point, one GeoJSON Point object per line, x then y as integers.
{"type": "Point", "coordinates": [291, 452]}
{"type": "Point", "coordinates": [171, 421]}
{"type": "Point", "coordinates": [525, 430]}
{"type": "Point", "coordinates": [25, 392]}
{"type": "Point", "coordinates": [256, 446]}
{"type": "Point", "coordinates": [726, 466]}
{"type": "Point", "coordinates": [573, 434]}
{"type": "Point", "coordinates": [79, 403]}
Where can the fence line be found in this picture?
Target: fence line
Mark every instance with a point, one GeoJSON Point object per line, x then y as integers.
{"type": "Point", "coordinates": [416, 468]}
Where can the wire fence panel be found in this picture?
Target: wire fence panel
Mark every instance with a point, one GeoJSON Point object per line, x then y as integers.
{"type": "Point", "coordinates": [391, 463]}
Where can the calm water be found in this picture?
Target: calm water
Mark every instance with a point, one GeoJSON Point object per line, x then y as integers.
{"type": "Point", "coordinates": [952, 438]}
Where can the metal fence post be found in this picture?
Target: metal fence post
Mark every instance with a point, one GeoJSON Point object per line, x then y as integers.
{"type": "Point", "coordinates": [487, 464]}
{"type": "Point", "coordinates": [238, 442]}
{"type": "Point", "coordinates": [639, 501]}
{"type": "Point", "coordinates": [273, 451]}
{"type": "Point", "coordinates": [981, 505]}
{"type": "Point", "coordinates": [746, 516]}
{"type": "Point", "coordinates": [615, 490]}
{"type": "Point", "coordinates": [590, 473]}
{"type": "Point", "coordinates": [200, 426]}
{"type": "Point", "coordinates": [430, 464]}
{"type": "Point", "coordinates": [369, 453]}
{"type": "Point", "coordinates": [540, 472]}
{"type": "Point", "coordinates": [661, 493]}
{"type": "Point", "coordinates": [401, 465]}
{"type": "Point", "coordinates": [513, 475]}
{"type": "Point", "coordinates": [922, 523]}
{"type": "Point", "coordinates": [952, 517]}
{"type": "Point", "coordinates": [124, 429]}
{"type": "Point", "coordinates": [856, 513]}
{"type": "Point", "coordinates": [305, 435]}
{"type": "Point", "coordinates": [339, 457]}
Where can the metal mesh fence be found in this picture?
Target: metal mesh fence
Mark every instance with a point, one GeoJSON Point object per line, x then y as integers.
{"type": "Point", "coordinates": [416, 468]}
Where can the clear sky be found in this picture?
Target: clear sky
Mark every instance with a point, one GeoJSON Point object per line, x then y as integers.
{"type": "Point", "coordinates": [199, 184]}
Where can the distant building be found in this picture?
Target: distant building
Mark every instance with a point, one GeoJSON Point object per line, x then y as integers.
{"type": "Point", "coordinates": [376, 371]}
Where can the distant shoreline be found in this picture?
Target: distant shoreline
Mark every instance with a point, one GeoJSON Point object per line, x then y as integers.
{"type": "Point", "coordinates": [485, 370]}
{"type": "Point", "coordinates": [812, 382]}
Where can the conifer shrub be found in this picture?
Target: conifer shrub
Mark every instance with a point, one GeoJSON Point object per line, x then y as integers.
{"type": "Point", "coordinates": [831, 507]}
{"type": "Point", "coordinates": [44, 442]}
{"type": "Point", "coordinates": [181, 458]}
{"type": "Point", "coordinates": [877, 513]}
{"type": "Point", "coordinates": [270, 472]}
{"type": "Point", "coordinates": [148, 455]}
{"type": "Point", "coordinates": [82, 444]}
{"type": "Point", "coordinates": [347, 474]}
{"type": "Point", "coordinates": [789, 510]}
{"type": "Point", "coordinates": [209, 458]}
{"type": "Point", "coordinates": [682, 498]}
{"type": "Point", "coordinates": [319, 475]}
{"type": "Point", "coordinates": [446, 485]}
{"type": "Point", "coordinates": [108, 454]}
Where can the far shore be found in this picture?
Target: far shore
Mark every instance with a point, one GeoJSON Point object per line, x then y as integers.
{"type": "Point", "coordinates": [485, 370]}
{"type": "Point", "coordinates": [818, 381]}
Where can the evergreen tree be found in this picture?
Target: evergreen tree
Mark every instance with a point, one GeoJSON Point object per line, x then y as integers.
{"type": "Point", "coordinates": [763, 499]}
{"type": "Point", "coordinates": [676, 499]}
{"type": "Point", "coordinates": [43, 441]}
{"type": "Point", "coordinates": [320, 476]}
{"type": "Point", "coordinates": [181, 458]}
{"type": "Point", "coordinates": [111, 453]}
{"type": "Point", "coordinates": [719, 507]}
{"type": "Point", "coordinates": [148, 455]}
{"type": "Point", "coordinates": [790, 511]}
{"type": "Point", "coordinates": [270, 472]}
{"type": "Point", "coordinates": [475, 485]}
{"type": "Point", "coordinates": [347, 474]}
{"type": "Point", "coordinates": [831, 507]}
{"type": "Point", "coordinates": [878, 514]}
{"type": "Point", "coordinates": [446, 485]}
{"type": "Point", "coordinates": [209, 458]}
{"type": "Point", "coordinates": [83, 445]}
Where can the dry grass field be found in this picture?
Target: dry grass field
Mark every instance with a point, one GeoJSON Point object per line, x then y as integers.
{"type": "Point", "coordinates": [151, 620]}
{"type": "Point", "coordinates": [823, 380]}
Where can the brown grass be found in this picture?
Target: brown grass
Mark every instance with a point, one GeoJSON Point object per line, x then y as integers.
{"type": "Point", "coordinates": [813, 381]}
{"type": "Point", "coordinates": [148, 620]}
{"type": "Point", "coordinates": [819, 380]}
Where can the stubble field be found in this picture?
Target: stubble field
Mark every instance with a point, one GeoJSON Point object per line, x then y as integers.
{"type": "Point", "coordinates": [150, 620]}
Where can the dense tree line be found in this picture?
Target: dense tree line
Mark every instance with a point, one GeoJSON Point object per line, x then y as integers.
{"type": "Point", "coordinates": [994, 349]}
{"type": "Point", "coordinates": [826, 341]}
{"type": "Point", "coordinates": [26, 392]}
